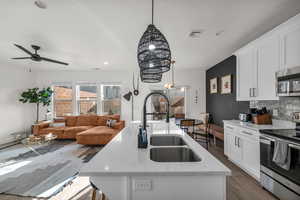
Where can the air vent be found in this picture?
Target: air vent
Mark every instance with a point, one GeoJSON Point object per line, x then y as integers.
{"type": "Point", "coordinates": [40, 4]}
{"type": "Point", "coordinates": [196, 33]}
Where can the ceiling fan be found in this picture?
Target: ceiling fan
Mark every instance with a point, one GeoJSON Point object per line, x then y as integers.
{"type": "Point", "coordinates": [35, 56]}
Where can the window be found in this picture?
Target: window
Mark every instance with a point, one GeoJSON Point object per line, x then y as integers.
{"type": "Point", "coordinates": [62, 100]}
{"type": "Point", "coordinates": [111, 99]}
{"type": "Point", "coordinates": [87, 99]}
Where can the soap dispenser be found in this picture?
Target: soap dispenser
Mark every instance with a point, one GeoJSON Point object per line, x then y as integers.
{"type": "Point", "coordinates": [142, 139]}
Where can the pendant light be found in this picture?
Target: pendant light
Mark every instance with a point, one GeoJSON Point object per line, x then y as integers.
{"type": "Point", "coordinates": [153, 54]}
{"type": "Point", "coordinates": [151, 77]}
{"type": "Point", "coordinates": [172, 84]}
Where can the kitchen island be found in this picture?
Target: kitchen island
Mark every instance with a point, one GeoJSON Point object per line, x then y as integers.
{"type": "Point", "coordinates": [124, 172]}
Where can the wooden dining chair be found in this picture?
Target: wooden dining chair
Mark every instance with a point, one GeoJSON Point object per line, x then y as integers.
{"type": "Point", "coordinates": [188, 125]}
{"type": "Point", "coordinates": [201, 132]}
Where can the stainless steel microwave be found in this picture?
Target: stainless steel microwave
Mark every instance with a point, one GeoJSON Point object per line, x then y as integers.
{"type": "Point", "coordinates": [288, 82]}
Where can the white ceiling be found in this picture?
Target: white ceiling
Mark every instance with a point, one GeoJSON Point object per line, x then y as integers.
{"type": "Point", "coordinates": [86, 33]}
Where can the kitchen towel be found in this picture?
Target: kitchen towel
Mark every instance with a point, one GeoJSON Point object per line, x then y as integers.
{"type": "Point", "coordinates": [282, 155]}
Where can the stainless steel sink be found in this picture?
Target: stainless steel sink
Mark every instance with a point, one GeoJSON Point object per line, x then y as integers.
{"type": "Point", "coordinates": [173, 154]}
{"type": "Point", "coordinates": [164, 140]}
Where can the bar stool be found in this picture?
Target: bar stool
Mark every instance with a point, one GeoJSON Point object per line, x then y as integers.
{"type": "Point", "coordinates": [95, 190]}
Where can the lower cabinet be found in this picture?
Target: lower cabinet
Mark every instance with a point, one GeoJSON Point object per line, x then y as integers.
{"type": "Point", "coordinates": [241, 145]}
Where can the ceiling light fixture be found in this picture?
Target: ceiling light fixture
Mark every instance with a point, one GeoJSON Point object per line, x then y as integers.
{"type": "Point", "coordinates": [40, 4]}
{"type": "Point", "coordinates": [106, 63]}
{"type": "Point", "coordinates": [154, 54]}
{"type": "Point", "coordinates": [172, 84]}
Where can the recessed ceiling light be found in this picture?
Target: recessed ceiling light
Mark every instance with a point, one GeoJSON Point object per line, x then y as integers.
{"type": "Point", "coordinates": [106, 63]}
{"type": "Point", "coordinates": [40, 4]}
{"type": "Point", "coordinates": [196, 33]}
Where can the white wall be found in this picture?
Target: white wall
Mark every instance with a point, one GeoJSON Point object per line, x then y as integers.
{"type": "Point", "coordinates": [195, 79]}
{"type": "Point", "coordinates": [15, 117]}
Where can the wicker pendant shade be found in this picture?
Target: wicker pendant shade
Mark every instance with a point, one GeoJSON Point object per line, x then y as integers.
{"type": "Point", "coordinates": [153, 54]}
{"type": "Point", "coordinates": [151, 77]}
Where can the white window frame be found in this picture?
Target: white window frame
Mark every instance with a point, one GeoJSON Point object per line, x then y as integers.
{"type": "Point", "coordinates": [75, 95]}
{"type": "Point", "coordinates": [52, 105]}
{"type": "Point", "coordinates": [78, 100]}
{"type": "Point", "coordinates": [102, 95]}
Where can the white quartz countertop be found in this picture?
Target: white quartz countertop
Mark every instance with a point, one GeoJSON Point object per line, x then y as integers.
{"type": "Point", "coordinates": [277, 124]}
{"type": "Point", "coordinates": [122, 157]}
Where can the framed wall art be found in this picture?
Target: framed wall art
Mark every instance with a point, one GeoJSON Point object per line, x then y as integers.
{"type": "Point", "coordinates": [214, 85]}
{"type": "Point", "coordinates": [226, 84]}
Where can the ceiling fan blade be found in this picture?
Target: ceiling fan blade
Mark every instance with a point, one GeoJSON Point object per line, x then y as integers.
{"type": "Point", "coordinates": [54, 61]}
{"type": "Point", "coordinates": [23, 49]}
{"type": "Point", "coordinates": [19, 58]}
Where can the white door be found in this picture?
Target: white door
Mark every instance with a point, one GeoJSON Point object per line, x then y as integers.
{"type": "Point", "coordinates": [251, 156]}
{"type": "Point", "coordinates": [228, 130]}
{"type": "Point", "coordinates": [235, 152]}
{"type": "Point", "coordinates": [268, 54]}
{"type": "Point", "coordinates": [291, 48]}
{"type": "Point", "coordinates": [246, 74]}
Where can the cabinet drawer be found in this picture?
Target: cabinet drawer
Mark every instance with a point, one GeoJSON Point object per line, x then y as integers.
{"type": "Point", "coordinates": [229, 128]}
{"type": "Point", "coordinates": [251, 134]}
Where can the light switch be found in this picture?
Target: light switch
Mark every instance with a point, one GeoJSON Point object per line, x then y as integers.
{"type": "Point", "coordinates": [142, 185]}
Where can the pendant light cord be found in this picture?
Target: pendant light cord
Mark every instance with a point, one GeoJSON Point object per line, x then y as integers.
{"type": "Point", "coordinates": [152, 11]}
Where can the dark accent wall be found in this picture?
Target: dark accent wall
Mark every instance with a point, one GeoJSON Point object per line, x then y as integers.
{"type": "Point", "coordinates": [223, 106]}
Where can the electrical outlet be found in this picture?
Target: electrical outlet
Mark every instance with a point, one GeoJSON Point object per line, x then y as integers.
{"type": "Point", "coordinates": [142, 185]}
{"type": "Point", "coordinates": [275, 112]}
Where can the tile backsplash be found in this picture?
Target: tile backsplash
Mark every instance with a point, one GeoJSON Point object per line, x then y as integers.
{"type": "Point", "coordinates": [284, 107]}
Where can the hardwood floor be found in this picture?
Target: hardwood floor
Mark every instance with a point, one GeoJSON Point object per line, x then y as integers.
{"type": "Point", "coordinates": [240, 186]}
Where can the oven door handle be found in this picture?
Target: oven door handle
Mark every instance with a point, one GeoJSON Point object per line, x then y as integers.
{"type": "Point", "coordinates": [294, 146]}
{"type": "Point", "coordinates": [267, 138]}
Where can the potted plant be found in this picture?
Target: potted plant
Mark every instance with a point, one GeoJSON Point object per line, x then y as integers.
{"type": "Point", "coordinates": [37, 96]}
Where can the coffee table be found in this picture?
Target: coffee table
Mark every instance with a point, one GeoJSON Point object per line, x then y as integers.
{"type": "Point", "coordinates": [34, 140]}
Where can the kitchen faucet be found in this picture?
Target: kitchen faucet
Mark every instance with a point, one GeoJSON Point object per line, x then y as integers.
{"type": "Point", "coordinates": [145, 108]}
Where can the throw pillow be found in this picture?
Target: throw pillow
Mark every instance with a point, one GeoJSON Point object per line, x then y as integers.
{"type": "Point", "coordinates": [57, 125]}
{"type": "Point", "coordinates": [110, 123]}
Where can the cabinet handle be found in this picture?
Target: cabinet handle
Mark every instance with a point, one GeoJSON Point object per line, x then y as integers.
{"type": "Point", "coordinates": [247, 133]}
{"type": "Point", "coordinates": [234, 140]}
{"type": "Point", "coordinates": [254, 92]}
{"type": "Point", "coordinates": [250, 92]}
{"type": "Point", "coordinates": [238, 142]}
{"type": "Point", "coordinates": [229, 127]}
{"type": "Point", "coordinates": [294, 146]}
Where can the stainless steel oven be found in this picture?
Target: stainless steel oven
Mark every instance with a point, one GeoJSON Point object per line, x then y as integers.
{"type": "Point", "coordinates": [285, 184]}
{"type": "Point", "coordinates": [288, 82]}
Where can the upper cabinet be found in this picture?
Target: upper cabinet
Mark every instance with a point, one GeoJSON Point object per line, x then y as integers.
{"type": "Point", "coordinates": [268, 63]}
{"type": "Point", "coordinates": [291, 47]}
{"type": "Point", "coordinates": [258, 61]}
{"type": "Point", "coordinates": [246, 79]}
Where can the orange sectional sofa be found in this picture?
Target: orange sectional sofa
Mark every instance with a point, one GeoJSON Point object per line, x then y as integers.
{"type": "Point", "coordinates": [86, 129]}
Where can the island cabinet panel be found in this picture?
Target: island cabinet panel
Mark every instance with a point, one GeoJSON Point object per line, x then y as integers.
{"type": "Point", "coordinates": [163, 187]}
{"type": "Point", "coordinates": [242, 147]}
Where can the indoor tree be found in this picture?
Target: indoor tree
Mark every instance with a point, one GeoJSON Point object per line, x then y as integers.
{"type": "Point", "coordinates": [37, 96]}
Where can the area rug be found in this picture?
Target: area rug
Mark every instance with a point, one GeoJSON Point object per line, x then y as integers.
{"type": "Point", "coordinates": [46, 171]}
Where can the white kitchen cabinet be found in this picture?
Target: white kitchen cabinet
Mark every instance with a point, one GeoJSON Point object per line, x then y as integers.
{"type": "Point", "coordinates": [249, 141]}
{"type": "Point", "coordinates": [268, 62]}
{"type": "Point", "coordinates": [257, 62]}
{"type": "Point", "coordinates": [241, 145]}
{"type": "Point", "coordinates": [246, 74]}
{"type": "Point", "coordinates": [291, 47]}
